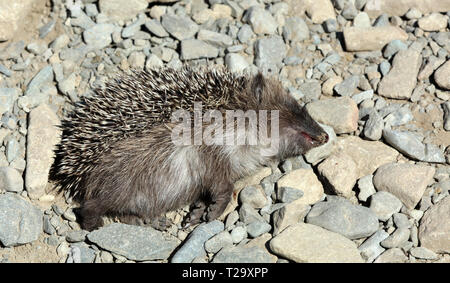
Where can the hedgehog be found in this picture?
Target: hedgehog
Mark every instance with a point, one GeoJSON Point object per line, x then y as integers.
{"type": "Point", "coordinates": [118, 156]}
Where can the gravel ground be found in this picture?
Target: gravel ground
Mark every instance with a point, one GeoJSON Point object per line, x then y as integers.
{"type": "Point", "coordinates": [374, 74]}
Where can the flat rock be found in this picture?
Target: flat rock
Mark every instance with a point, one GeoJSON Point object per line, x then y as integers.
{"type": "Point", "coordinates": [134, 242]}
{"type": "Point", "coordinates": [244, 254]}
{"type": "Point", "coordinates": [309, 243]}
{"type": "Point", "coordinates": [122, 9]}
{"type": "Point", "coordinates": [433, 22]}
{"type": "Point", "coordinates": [196, 49]}
{"type": "Point", "coordinates": [194, 246]}
{"type": "Point", "coordinates": [442, 75]}
{"type": "Point", "coordinates": [319, 10]}
{"type": "Point", "coordinates": [434, 229]}
{"type": "Point", "coordinates": [179, 27]}
{"type": "Point", "coordinates": [214, 38]}
{"type": "Point", "coordinates": [99, 36]}
{"type": "Point", "coordinates": [402, 78]}
{"type": "Point", "coordinates": [340, 113]}
{"type": "Point", "coordinates": [341, 173]}
{"type": "Point", "coordinates": [371, 38]}
{"type": "Point", "coordinates": [384, 205]}
{"type": "Point", "coordinates": [43, 135]}
{"type": "Point", "coordinates": [343, 217]}
{"type": "Point", "coordinates": [406, 181]}
{"type": "Point", "coordinates": [20, 221]}
{"type": "Point", "coordinates": [306, 181]}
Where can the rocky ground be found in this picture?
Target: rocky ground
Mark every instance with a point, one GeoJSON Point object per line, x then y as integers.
{"type": "Point", "coordinates": [375, 73]}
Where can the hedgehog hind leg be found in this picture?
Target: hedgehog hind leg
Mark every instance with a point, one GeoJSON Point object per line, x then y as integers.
{"type": "Point", "coordinates": [91, 213]}
{"type": "Point", "coordinates": [220, 197]}
{"type": "Point", "coordinates": [196, 214]}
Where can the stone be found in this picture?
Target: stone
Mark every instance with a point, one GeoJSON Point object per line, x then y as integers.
{"type": "Point", "coordinates": [214, 38]}
{"type": "Point", "coordinates": [370, 249]}
{"type": "Point", "coordinates": [423, 253]}
{"type": "Point", "coordinates": [348, 86]}
{"type": "Point", "coordinates": [155, 27]}
{"type": "Point", "coordinates": [371, 38]}
{"type": "Point", "coordinates": [366, 188]}
{"type": "Point", "coordinates": [442, 76]}
{"type": "Point", "coordinates": [309, 243]}
{"type": "Point", "coordinates": [257, 228]}
{"type": "Point", "coordinates": [261, 20]}
{"type": "Point", "coordinates": [269, 51]}
{"type": "Point", "coordinates": [238, 234]}
{"type": "Point", "coordinates": [194, 245]}
{"type": "Point", "coordinates": [446, 107]}
{"type": "Point", "coordinates": [373, 128]}
{"type": "Point", "coordinates": [133, 242]}
{"type": "Point", "coordinates": [196, 49]}
{"type": "Point", "coordinates": [122, 10]}
{"type": "Point", "coordinates": [343, 217]}
{"type": "Point", "coordinates": [393, 47]}
{"type": "Point", "coordinates": [295, 30]}
{"type": "Point", "coordinates": [394, 255]}
{"type": "Point", "coordinates": [396, 239]}
{"type": "Point", "coordinates": [329, 84]}
{"type": "Point", "coordinates": [12, 15]}
{"type": "Point", "coordinates": [402, 78]}
{"type": "Point", "coordinates": [340, 113]}
{"type": "Point", "coordinates": [397, 8]}
{"type": "Point", "coordinates": [406, 181]}
{"type": "Point", "coordinates": [41, 79]}
{"type": "Point", "coordinates": [244, 254]}
{"type": "Point", "coordinates": [341, 173]}
{"type": "Point", "coordinates": [290, 214]}
{"type": "Point", "coordinates": [306, 181]}
{"type": "Point", "coordinates": [20, 222]}
{"type": "Point", "coordinates": [7, 98]}
{"type": "Point", "coordinates": [74, 236]}
{"type": "Point", "coordinates": [217, 242]}
{"type": "Point", "coordinates": [362, 20]}
{"type": "Point", "coordinates": [253, 195]}
{"type": "Point", "coordinates": [434, 228]}
{"type": "Point", "coordinates": [43, 136]}
{"type": "Point", "coordinates": [248, 214]}
{"type": "Point", "coordinates": [433, 22]}
{"type": "Point", "coordinates": [99, 36]}
{"type": "Point", "coordinates": [10, 180]}
{"type": "Point", "coordinates": [406, 142]}
{"type": "Point", "coordinates": [179, 27]}
{"type": "Point", "coordinates": [235, 62]}
{"type": "Point", "coordinates": [319, 10]}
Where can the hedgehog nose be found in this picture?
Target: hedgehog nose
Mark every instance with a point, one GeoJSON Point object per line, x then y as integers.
{"type": "Point", "coordinates": [323, 138]}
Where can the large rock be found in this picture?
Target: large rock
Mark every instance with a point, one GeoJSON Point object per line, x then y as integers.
{"type": "Point", "coordinates": [20, 222]}
{"type": "Point", "coordinates": [442, 75]}
{"type": "Point", "coordinates": [12, 14]}
{"type": "Point", "coordinates": [400, 7]}
{"type": "Point", "coordinates": [434, 229]}
{"type": "Point", "coordinates": [261, 20]}
{"type": "Point", "coordinates": [402, 78]}
{"type": "Point", "coordinates": [309, 243]}
{"type": "Point", "coordinates": [179, 27]}
{"type": "Point", "coordinates": [406, 181]}
{"type": "Point", "coordinates": [269, 51]}
{"type": "Point", "coordinates": [122, 9]}
{"type": "Point", "coordinates": [196, 49]}
{"type": "Point", "coordinates": [43, 135]}
{"type": "Point", "coordinates": [433, 22]}
{"type": "Point", "coordinates": [340, 113]}
{"type": "Point", "coordinates": [343, 217]}
{"type": "Point", "coordinates": [134, 242]}
{"type": "Point", "coordinates": [306, 181]}
{"type": "Point", "coordinates": [99, 36]}
{"type": "Point", "coordinates": [341, 173]}
{"type": "Point", "coordinates": [371, 38]}
{"type": "Point", "coordinates": [319, 10]}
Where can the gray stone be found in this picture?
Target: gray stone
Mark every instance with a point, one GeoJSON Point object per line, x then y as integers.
{"type": "Point", "coordinates": [10, 180]}
{"type": "Point", "coordinates": [248, 214]}
{"type": "Point", "coordinates": [43, 77]}
{"type": "Point", "coordinates": [257, 228]}
{"type": "Point", "coordinates": [83, 21]}
{"type": "Point", "coordinates": [132, 28]}
{"type": "Point", "coordinates": [373, 128]}
{"type": "Point", "coordinates": [196, 49]}
{"type": "Point", "coordinates": [180, 27]}
{"type": "Point", "coordinates": [5, 71]}
{"type": "Point", "coordinates": [43, 135]}
{"type": "Point", "coordinates": [155, 27]}
{"type": "Point", "coordinates": [434, 231]}
{"type": "Point", "coordinates": [348, 86]}
{"type": "Point", "coordinates": [406, 142]}
{"type": "Point", "coordinates": [98, 36]}
{"type": "Point", "coordinates": [214, 38]}
{"type": "Point", "coordinates": [80, 253]}
{"type": "Point", "coordinates": [366, 188]}
{"type": "Point", "coordinates": [253, 196]}
{"type": "Point", "coordinates": [394, 255]}
{"type": "Point", "coordinates": [244, 254]}
{"type": "Point", "coordinates": [7, 98]}
{"type": "Point", "coordinates": [423, 253]}
{"type": "Point", "coordinates": [385, 66]}
{"type": "Point", "coordinates": [442, 74]}
{"type": "Point", "coordinates": [261, 20]}
{"type": "Point", "coordinates": [401, 220]}
{"type": "Point", "coordinates": [341, 216]}
{"type": "Point", "coordinates": [295, 30]}
{"type": "Point", "coordinates": [20, 222]}
{"type": "Point", "coordinates": [360, 97]}
{"type": "Point", "coordinates": [74, 236]}
{"type": "Point", "coordinates": [384, 204]}
{"type": "Point", "coordinates": [133, 242]}
{"type": "Point", "coordinates": [194, 245]}
{"type": "Point", "coordinates": [362, 20]}
{"type": "Point", "coordinates": [122, 9]}
{"type": "Point", "coordinates": [330, 25]}
{"type": "Point", "coordinates": [446, 107]}
{"type": "Point", "coordinates": [310, 90]}
{"type": "Point", "coordinates": [370, 249]}
{"type": "Point", "coordinates": [238, 234]}
{"type": "Point", "coordinates": [288, 194]}
{"type": "Point", "coordinates": [218, 241]}
{"type": "Point", "coordinates": [393, 47]}
{"type": "Point", "coordinates": [399, 117]}
{"type": "Point", "coordinates": [269, 51]}
{"type": "Point", "coordinates": [245, 33]}
{"type": "Point", "coordinates": [396, 239]}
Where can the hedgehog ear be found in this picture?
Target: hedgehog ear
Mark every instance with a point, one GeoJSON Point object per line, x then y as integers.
{"type": "Point", "coordinates": [258, 85]}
